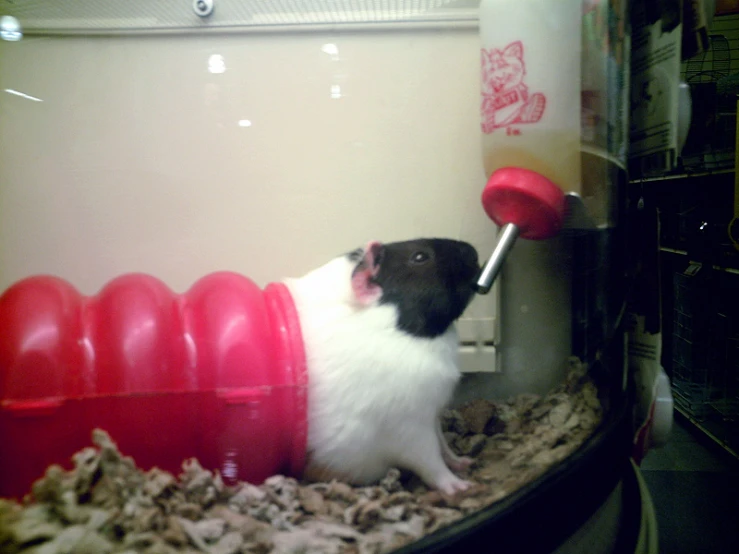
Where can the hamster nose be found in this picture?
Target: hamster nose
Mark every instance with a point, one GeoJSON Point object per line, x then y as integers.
{"type": "Point", "coordinates": [469, 253]}
{"type": "Point", "coordinates": [468, 260]}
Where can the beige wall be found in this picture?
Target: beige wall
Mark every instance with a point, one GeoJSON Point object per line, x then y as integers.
{"type": "Point", "coordinates": [133, 153]}
{"type": "Point", "coordinates": [135, 158]}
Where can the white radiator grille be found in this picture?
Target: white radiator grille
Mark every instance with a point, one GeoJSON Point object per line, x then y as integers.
{"type": "Point", "coordinates": [132, 15]}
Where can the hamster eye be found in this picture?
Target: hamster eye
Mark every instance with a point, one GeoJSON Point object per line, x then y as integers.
{"type": "Point", "coordinates": [419, 257]}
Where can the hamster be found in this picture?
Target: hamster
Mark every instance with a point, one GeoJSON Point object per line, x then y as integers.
{"type": "Point", "coordinates": [382, 355]}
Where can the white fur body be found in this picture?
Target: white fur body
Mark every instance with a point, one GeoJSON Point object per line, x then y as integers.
{"type": "Point", "coordinates": [375, 392]}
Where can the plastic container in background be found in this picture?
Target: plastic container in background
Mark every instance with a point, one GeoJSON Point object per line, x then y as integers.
{"type": "Point", "coordinates": [531, 87]}
{"type": "Point", "coordinates": [554, 85]}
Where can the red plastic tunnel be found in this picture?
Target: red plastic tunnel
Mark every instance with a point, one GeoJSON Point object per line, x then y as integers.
{"type": "Point", "coordinates": [217, 373]}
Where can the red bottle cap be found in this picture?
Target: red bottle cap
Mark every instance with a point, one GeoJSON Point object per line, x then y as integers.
{"type": "Point", "coordinates": [527, 199]}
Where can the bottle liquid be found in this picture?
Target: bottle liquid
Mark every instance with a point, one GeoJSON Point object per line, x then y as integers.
{"type": "Point", "coordinates": [530, 87]}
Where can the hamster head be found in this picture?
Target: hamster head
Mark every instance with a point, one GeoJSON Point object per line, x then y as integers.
{"type": "Point", "coordinates": [429, 281]}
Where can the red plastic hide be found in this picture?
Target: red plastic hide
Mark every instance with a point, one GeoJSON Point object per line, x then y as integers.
{"type": "Point", "coordinates": [217, 373]}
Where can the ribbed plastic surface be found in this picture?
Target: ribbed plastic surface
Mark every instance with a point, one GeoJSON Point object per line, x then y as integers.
{"type": "Point", "coordinates": [217, 373]}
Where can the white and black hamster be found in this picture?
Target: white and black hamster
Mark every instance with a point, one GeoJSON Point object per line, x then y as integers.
{"type": "Point", "coordinates": [382, 355]}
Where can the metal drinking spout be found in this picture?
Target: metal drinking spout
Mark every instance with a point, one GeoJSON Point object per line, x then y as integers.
{"type": "Point", "coordinates": [508, 236]}
{"type": "Point", "coordinates": [523, 203]}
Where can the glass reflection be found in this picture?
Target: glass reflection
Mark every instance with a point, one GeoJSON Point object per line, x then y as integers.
{"type": "Point", "coordinates": [22, 95]}
{"type": "Point", "coordinates": [216, 64]}
{"type": "Point", "coordinates": [10, 29]}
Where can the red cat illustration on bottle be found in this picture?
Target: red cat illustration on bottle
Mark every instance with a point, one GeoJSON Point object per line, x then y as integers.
{"type": "Point", "coordinates": [505, 98]}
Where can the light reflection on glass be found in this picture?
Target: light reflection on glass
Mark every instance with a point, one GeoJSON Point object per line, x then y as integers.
{"type": "Point", "coordinates": [10, 29]}
{"type": "Point", "coordinates": [23, 95]}
{"type": "Point", "coordinates": [332, 50]}
{"type": "Point", "coordinates": [335, 91]}
{"type": "Point", "coordinates": [216, 64]}
{"type": "Point", "coordinates": [244, 123]}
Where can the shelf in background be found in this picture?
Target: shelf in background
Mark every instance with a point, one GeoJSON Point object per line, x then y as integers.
{"type": "Point", "coordinates": [677, 176]}
{"type": "Point", "coordinates": [685, 253]}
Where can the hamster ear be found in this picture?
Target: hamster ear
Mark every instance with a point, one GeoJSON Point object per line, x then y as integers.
{"type": "Point", "coordinates": [366, 290]}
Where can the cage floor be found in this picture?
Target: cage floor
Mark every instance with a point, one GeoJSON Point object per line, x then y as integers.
{"type": "Point", "coordinates": [106, 504]}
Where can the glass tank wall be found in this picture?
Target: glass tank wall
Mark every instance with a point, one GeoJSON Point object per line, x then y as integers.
{"type": "Point", "coordinates": [178, 139]}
